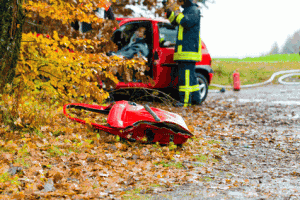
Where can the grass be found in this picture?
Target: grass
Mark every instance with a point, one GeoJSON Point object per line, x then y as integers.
{"type": "Point", "coordinates": [205, 159]}
{"type": "Point", "coordinates": [54, 151]}
{"type": "Point", "coordinates": [178, 165]}
{"type": "Point", "coordinates": [267, 58]}
{"type": "Point", "coordinates": [213, 142]}
{"type": "Point", "coordinates": [6, 177]}
{"type": "Point", "coordinates": [252, 70]}
{"type": "Point", "coordinates": [135, 194]}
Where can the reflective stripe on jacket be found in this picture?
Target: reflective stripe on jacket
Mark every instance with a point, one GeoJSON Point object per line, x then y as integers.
{"type": "Point", "coordinates": [189, 90]}
{"type": "Point", "coordinates": [188, 44]}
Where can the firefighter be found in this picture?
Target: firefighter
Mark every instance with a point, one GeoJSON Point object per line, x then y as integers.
{"type": "Point", "coordinates": [187, 50]}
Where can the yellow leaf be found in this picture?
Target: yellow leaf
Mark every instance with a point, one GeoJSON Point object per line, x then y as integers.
{"type": "Point", "coordinates": [55, 35]}
{"type": "Point", "coordinates": [131, 163]}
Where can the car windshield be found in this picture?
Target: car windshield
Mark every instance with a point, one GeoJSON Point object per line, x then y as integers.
{"type": "Point", "coordinates": [167, 34]}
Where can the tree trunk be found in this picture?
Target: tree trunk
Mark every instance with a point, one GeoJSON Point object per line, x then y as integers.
{"type": "Point", "coordinates": [11, 23]}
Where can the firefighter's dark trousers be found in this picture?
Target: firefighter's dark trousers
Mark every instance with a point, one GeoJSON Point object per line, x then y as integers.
{"type": "Point", "coordinates": [189, 91]}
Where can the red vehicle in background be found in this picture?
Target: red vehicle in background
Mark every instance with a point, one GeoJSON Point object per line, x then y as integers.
{"type": "Point", "coordinates": [161, 39]}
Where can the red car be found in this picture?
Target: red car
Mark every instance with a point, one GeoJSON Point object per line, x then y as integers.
{"type": "Point", "coordinates": [161, 38]}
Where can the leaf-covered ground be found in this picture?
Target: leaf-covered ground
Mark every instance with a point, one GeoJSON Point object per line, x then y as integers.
{"type": "Point", "coordinates": [65, 159]}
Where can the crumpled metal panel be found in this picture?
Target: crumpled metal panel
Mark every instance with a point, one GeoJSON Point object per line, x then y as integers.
{"type": "Point", "coordinates": [133, 122]}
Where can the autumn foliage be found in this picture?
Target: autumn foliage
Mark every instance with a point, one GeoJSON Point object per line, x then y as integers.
{"type": "Point", "coordinates": [74, 62]}
{"type": "Point", "coordinates": [59, 62]}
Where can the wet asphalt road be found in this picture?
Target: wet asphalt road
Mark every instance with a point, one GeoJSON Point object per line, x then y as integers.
{"type": "Point", "coordinates": [270, 94]}
{"type": "Point", "coordinates": [262, 161]}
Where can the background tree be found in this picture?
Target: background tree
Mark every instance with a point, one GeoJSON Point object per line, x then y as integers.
{"type": "Point", "coordinates": [274, 49]}
{"type": "Point", "coordinates": [292, 44]}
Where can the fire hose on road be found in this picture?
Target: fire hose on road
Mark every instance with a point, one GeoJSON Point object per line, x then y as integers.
{"type": "Point", "coordinates": [287, 73]}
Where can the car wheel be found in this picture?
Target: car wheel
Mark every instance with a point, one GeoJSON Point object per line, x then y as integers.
{"type": "Point", "coordinates": [202, 81]}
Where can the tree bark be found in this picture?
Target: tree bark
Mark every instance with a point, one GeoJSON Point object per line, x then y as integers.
{"type": "Point", "coordinates": [11, 23]}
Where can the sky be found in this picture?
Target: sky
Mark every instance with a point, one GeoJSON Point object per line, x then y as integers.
{"type": "Point", "coordinates": [248, 28]}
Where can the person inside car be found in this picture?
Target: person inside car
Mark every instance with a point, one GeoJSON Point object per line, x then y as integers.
{"type": "Point", "coordinates": [137, 46]}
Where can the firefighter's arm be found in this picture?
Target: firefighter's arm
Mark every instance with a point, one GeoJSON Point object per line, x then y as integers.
{"type": "Point", "coordinates": [187, 20]}
{"type": "Point", "coordinates": [170, 16]}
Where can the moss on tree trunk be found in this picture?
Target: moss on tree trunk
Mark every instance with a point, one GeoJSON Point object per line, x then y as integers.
{"type": "Point", "coordinates": [11, 23]}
